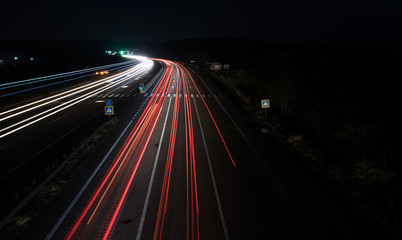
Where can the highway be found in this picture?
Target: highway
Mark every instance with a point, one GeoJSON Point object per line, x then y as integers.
{"type": "Point", "coordinates": [186, 162]}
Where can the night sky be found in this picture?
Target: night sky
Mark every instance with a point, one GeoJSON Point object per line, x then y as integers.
{"type": "Point", "coordinates": [116, 20]}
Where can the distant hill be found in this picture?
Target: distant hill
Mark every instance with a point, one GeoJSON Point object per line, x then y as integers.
{"type": "Point", "coordinates": [59, 56]}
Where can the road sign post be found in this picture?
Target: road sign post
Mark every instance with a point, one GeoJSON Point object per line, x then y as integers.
{"type": "Point", "coordinates": [108, 102]}
{"type": "Point", "coordinates": [265, 103]}
{"type": "Point", "coordinates": [109, 109]}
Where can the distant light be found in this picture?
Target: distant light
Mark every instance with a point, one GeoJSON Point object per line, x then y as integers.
{"type": "Point", "coordinates": [141, 58]}
{"type": "Point", "coordinates": [32, 58]}
{"type": "Point", "coordinates": [15, 58]}
{"type": "Point", "coordinates": [121, 52]}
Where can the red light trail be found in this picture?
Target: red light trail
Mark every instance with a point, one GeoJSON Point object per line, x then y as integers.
{"type": "Point", "coordinates": [108, 199]}
{"type": "Point", "coordinates": [213, 119]}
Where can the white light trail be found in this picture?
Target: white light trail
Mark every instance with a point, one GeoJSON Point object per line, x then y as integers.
{"type": "Point", "coordinates": [94, 88]}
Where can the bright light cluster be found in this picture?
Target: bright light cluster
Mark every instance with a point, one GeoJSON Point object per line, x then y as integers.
{"type": "Point", "coordinates": [138, 57]}
{"type": "Point", "coordinates": [102, 72]}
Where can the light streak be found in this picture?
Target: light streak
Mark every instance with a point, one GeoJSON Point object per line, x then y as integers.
{"type": "Point", "coordinates": [53, 83]}
{"type": "Point", "coordinates": [218, 201]}
{"type": "Point", "coordinates": [192, 220]}
{"type": "Point", "coordinates": [61, 75]}
{"type": "Point", "coordinates": [139, 157]}
{"type": "Point", "coordinates": [213, 119]}
{"type": "Point", "coordinates": [190, 163]}
{"type": "Point", "coordinates": [97, 87]}
{"type": "Point", "coordinates": [144, 211]}
{"type": "Point", "coordinates": [137, 70]}
{"type": "Point", "coordinates": [168, 168]}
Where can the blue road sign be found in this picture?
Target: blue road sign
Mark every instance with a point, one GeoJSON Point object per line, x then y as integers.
{"type": "Point", "coordinates": [108, 102]}
{"type": "Point", "coordinates": [265, 103]}
{"type": "Point", "coordinates": [109, 110]}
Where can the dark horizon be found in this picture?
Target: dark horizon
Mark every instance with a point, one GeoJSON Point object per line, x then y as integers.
{"type": "Point", "coordinates": [160, 21]}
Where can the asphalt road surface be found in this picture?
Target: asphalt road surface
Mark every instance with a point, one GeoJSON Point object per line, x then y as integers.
{"type": "Point", "coordinates": [185, 162]}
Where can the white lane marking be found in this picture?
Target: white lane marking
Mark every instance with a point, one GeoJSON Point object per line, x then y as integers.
{"type": "Point", "coordinates": [144, 210]}
{"type": "Point", "coordinates": [58, 118]}
{"type": "Point", "coordinates": [218, 201]}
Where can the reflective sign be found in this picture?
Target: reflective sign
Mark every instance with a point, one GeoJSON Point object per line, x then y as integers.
{"type": "Point", "coordinates": [265, 103]}
{"type": "Point", "coordinates": [109, 110]}
{"type": "Point", "coordinates": [108, 102]}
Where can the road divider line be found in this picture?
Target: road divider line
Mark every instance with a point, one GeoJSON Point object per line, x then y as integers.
{"type": "Point", "coordinates": [58, 118]}
{"type": "Point", "coordinates": [144, 210]}
{"type": "Point", "coordinates": [218, 201]}
{"type": "Point", "coordinates": [213, 119]}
